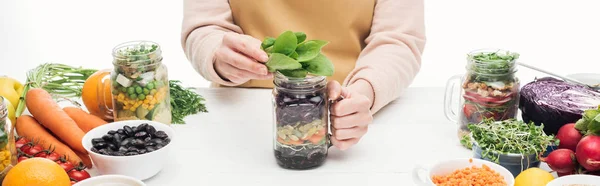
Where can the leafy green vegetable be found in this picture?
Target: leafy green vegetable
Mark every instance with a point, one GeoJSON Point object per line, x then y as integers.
{"type": "Point", "coordinates": [286, 43]}
{"type": "Point", "coordinates": [298, 73]}
{"type": "Point", "coordinates": [510, 136]}
{"type": "Point", "coordinates": [492, 66]}
{"type": "Point", "coordinates": [300, 36]}
{"type": "Point", "coordinates": [310, 49]}
{"type": "Point", "coordinates": [184, 102]}
{"type": "Point", "coordinates": [279, 61]}
{"type": "Point", "coordinates": [268, 42]}
{"type": "Point", "coordinates": [293, 56]}
{"type": "Point", "coordinates": [589, 122]}
{"type": "Point", "coordinates": [319, 65]}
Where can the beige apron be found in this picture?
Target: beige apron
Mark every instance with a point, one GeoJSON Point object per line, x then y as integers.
{"type": "Point", "coordinates": [345, 24]}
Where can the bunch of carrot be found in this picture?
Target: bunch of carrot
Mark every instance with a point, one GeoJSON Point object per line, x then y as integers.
{"type": "Point", "coordinates": [471, 176]}
{"type": "Point", "coordinates": [56, 128]}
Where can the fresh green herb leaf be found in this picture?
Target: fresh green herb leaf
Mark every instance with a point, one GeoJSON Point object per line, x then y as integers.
{"type": "Point", "coordinates": [590, 114]}
{"type": "Point", "coordinates": [184, 102]}
{"type": "Point", "coordinates": [309, 49]}
{"type": "Point", "coordinates": [279, 61]}
{"type": "Point", "coordinates": [319, 65]}
{"type": "Point", "coordinates": [582, 124]}
{"type": "Point", "coordinates": [510, 136]}
{"type": "Point", "coordinates": [294, 55]}
{"type": "Point", "coordinates": [492, 66]}
{"type": "Point", "coordinates": [286, 43]}
{"type": "Point", "coordinates": [298, 73]}
{"type": "Point", "coordinates": [268, 42]}
{"type": "Point", "coordinates": [300, 36]}
{"type": "Point", "coordinates": [594, 124]}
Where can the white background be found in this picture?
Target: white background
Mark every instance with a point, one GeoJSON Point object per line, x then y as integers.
{"type": "Point", "coordinates": [561, 36]}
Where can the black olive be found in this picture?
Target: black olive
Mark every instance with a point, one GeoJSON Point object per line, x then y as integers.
{"type": "Point", "coordinates": [101, 145]}
{"type": "Point", "coordinates": [112, 146]}
{"type": "Point", "coordinates": [104, 151]}
{"type": "Point", "coordinates": [131, 153]}
{"type": "Point", "coordinates": [121, 131]}
{"type": "Point", "coordinates": [107, 137]}
{"type": "Point", "coordinates": [147, 139]}
{"type": "Point", "coordinates": [97, 140]}
{"type": "Point", "coordinates": [128, 131]}
{"type": "Point", "coordinates": [150, 149]}
{"type": "Point", "coordinates": [158, 146]}
{"type": "Point", "coordinates": [139, 143]}
{"type": "Point", "coordinates": [157, 141]}
{"type": "Point", "coordinates": [123, 149]}
{"type": "Point", "coordinates": [141, 127]}
{"type": "Point", "coordinates": [161, 134]}
{"type": "Point", "coordinates": [132, 149]}
{"type": "Point", "coordinates": [141, 134]}
{"type": "Point", "coordinates": [94, 149]}
{"type": "Point", "coordinates": [126, 142]}
{"type": "Point", "coordinates": [117, 139]}
{"type": "Point", "coordinates": [150, 129]}
{"type": "Point", "coordinates": [112, 132]}
{"type": "Point", "coordinates": [143, 151]}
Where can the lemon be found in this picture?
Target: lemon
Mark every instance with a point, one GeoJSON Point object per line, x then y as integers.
{"type": "Point", "coordinates": [533, 177]}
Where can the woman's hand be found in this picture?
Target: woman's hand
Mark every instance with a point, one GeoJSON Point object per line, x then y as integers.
{"type": "Point", "coordinates": [239, 59]}
{"type": "Point", "coordinates": [350, 117]}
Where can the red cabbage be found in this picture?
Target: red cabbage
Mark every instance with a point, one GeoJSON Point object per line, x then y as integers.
{"type": "Point", "coordinates": [555, 102]}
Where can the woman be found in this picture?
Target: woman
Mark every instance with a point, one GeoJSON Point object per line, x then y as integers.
{"type": "Point", "coordinates": [375, 45]}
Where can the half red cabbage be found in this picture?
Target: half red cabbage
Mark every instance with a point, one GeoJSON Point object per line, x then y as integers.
{"type": "Point", "coordinates": [555, 102]}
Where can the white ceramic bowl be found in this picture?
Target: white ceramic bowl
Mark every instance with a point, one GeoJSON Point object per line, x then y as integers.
{"type": "Point", "coordinates": [141, 166]}
{"type": "Point", "coordinates": [422, 175]}
{"type": "Point", "coordinates": [110, 180]}
{"type": "Point", "coordinates": [591, 79]}
{"type": "Point", "coordinates": [578, 179]}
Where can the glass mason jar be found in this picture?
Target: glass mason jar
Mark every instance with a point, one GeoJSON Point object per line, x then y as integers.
{"type": "Point", "coordinates": [301, 110]}
{"type": "Point", "coordinates": [140, 85]}
{"type": "Point", "coordinates": [8, 151]}
{"type": "Point", "coordinates": [489, 90]}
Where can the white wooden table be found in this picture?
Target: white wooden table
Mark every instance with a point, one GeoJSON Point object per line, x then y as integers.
{"type": "Point", "coordinates": [233, 144]}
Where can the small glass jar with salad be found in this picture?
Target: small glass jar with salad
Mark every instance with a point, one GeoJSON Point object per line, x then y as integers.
{"type": "Point", "coordinates": [140, 85]}
{"type": "Point", "coordinates": [489, 89]}
{"type": "Point", "coordinates": [301, 121]}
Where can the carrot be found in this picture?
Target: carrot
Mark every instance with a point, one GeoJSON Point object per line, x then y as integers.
{"type": "Point", "coordinates": [471, 176]}
{"type": "Point", "coordinates": [84, 120]}
{"type": "Point", "coordinates": [50, 115]}
{"type": "Point", "coordinates": [30, 129]}
{"type": "Point", "coordinates": [85, 159]}
{"type": "Point", "coordinates": [316, 138]}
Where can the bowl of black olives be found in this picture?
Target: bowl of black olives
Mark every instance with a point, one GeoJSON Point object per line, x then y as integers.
{"type": "Point", "coordinates": [135, 148]}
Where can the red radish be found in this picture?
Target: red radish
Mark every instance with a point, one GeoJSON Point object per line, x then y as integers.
{"type": "Point", "coordinates": [568, 136]}
{"type": "Point", "coordinates": [564, 174]}
{"type": "Point", "coordinates": [561, 160]}
{"type": "Point", "coordinates": [588, 153]}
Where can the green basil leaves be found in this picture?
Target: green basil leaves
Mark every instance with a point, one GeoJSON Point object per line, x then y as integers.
{"type": "Point", "coordinates": [293, 56]}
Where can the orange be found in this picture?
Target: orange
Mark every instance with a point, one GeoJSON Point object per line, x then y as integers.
{"type": "Point", "coordinates": [37, 172]}
{"type": "Point", "coordinates": [92, 97]}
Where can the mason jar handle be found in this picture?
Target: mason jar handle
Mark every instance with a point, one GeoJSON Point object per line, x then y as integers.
{"type": "Point", "coordinates": [418, 177]}
{"type": "Point", "coordinates": [104, 109]}
{"type": "Point", "coordinates": [330, 134]}
{"type": "Point", "coordinates": [449, 96]}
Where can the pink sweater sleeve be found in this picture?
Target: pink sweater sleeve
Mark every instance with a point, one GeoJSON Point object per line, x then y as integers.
{"type": "Point", "coordinates": [392, 56]}
{"type": "Point", "coordinates": [204, 24]}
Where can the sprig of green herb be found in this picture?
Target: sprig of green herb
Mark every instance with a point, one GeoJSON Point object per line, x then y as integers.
{"type": "Point", "coordinates": [293, 56]}
{"type": "Point", "coordinates": [589, 122]}
{"type": "Point", "coordinates": [184, 102]}
{"type": "Point", "coordinates": [510, 136]}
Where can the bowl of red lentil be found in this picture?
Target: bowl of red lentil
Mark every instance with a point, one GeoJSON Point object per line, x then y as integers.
{"type": "Point", "coordinates": [466, 171]}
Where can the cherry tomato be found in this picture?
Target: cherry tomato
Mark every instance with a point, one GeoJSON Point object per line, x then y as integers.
{"type": "Point", "coordinates": [68, 166]}
{"type": "Point", "coordinates": [21, 142]}
{"type": "Point", "coordinates": [469, 109]}
{"type": "Point", "coordinates": [53, 156]}
{"type": "Point", "coordinates": [42, 154]}
{"type": "Point", "coordinates": [22, 158]}
{"type": "Point", "coordinates": [79, 175]}
{"type": "Point", "coordinates": [33, 150]}
{"type": "Point", "coordinates": [26, 147]}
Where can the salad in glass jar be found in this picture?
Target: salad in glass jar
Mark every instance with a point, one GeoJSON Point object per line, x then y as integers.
{"type": "Point", "coordinates": [140, 85]}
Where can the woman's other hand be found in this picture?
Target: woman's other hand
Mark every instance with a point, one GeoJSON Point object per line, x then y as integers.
{"type": "Point", "coordinates": [350, 117]}
{"type": "Point", "coordinates": [239, 59]}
